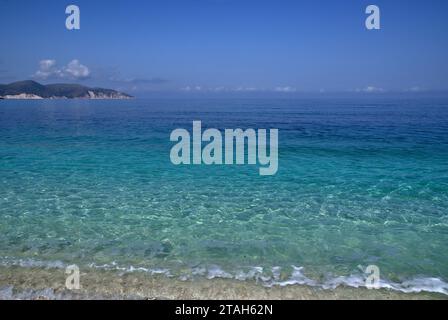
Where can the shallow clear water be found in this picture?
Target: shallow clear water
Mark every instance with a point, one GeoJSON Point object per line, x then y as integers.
{"type": "Point", "coordinates": [360, 182]}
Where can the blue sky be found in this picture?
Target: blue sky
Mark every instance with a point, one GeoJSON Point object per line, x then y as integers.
{"type": "Point", "coordinates": [228, 46]}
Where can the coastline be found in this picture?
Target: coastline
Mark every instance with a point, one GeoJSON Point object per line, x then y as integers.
{"type": "Point", "coordinates": [32, 90]}
{"type": "Point", "coordinates": [49, 284]}
{"type": "Point", "coordinates": [34, 97]}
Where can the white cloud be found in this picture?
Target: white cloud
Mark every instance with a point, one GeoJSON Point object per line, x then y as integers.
{"type": "Point", "coordinates": [218, 89]}
{"type": "Point", "coordinates": [237, 89]}
{"type": "Point", "coordinates": [46, 65]}
{"type": "Point", "coordinates": [285, 89]}
{"type": "Point", "coordinates": [47, 69]}
{"type": "Point", "coordinates": [415, 89]}
{"type": "Point", "coordinates": [74, 70]}
{"type": "Point", "coordinates": [370, 89]}
{"type": "Point", "coordinates": [246, 89]}
{"type": "Point", "coordinates": [192, 89]}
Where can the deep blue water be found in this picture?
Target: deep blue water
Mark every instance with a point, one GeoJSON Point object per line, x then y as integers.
{"type": "Point", "coordinates": [360, 182]}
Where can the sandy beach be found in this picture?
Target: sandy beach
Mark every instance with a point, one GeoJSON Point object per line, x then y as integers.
{"type": "Point", "coordinates": [49, 284]}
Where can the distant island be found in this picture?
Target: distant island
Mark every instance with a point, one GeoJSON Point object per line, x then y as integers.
{"type": "Point", "coordinates": [33, 90]}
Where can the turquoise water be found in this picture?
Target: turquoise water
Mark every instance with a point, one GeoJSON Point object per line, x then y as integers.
{"type": "Point", "coordinates": [360, 182]}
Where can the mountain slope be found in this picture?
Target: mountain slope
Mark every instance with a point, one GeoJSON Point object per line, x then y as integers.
{"type": "Point", "coordinates": [33, 90]}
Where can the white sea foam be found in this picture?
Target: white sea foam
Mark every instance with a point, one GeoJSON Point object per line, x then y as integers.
{"type": "Point", "coordinates": [115, 266]}
{"type": "Point", "coordinates": [8, 293]}
{"type": "Point", "coordinates": [31, 263]}
{"type": "Point", "coordinates": [267, 277]}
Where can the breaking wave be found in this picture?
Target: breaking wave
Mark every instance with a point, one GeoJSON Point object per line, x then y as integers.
{"type": "Point", "coordinates": [267, 277]}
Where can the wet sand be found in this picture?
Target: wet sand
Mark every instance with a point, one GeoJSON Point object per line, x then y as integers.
{"type": "Point", "coordinates": [38, 283]}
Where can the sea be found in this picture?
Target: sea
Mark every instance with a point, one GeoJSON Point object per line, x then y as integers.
{"type": "Point", "coordinates": [362, 186]}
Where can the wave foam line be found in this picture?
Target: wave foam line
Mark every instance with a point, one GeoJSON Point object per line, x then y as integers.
{"type": "Point", "coordinates": [258, 274]}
